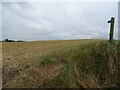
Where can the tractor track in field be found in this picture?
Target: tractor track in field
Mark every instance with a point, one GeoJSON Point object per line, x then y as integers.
{"type": "Point", "coordinates": [41, 47]}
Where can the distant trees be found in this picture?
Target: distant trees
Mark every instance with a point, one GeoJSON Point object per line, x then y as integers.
{"type": "Point", "coordinates": [7, 40]}
{"type": "Point", "coordinates": [20, 41]}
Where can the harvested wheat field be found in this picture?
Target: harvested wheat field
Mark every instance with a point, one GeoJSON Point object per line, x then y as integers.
{"type": "Point", "coordinates": [60, 63]}
{"type": "Point", "coordinates": [22, 62]}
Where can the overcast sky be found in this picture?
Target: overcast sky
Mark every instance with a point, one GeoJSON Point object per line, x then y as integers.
{"type": "Point", "coordinates": [57, 20]}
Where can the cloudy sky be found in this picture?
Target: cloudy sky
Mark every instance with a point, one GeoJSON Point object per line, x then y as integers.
{"type": "Point", "coordinates": [57, 20]}
{"type": "Point", "coordinates": [119, 21]}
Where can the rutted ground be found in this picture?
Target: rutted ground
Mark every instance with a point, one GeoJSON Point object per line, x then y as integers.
{"type": "Point", "coordinates": [21, 67]}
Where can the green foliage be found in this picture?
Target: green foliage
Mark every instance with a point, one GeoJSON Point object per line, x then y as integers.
{"type": "Point", "coordinates": [66, 78]}
{"type": "Point", "coordinates": [46, 59]}
{"type": "Point", "coordinates": [94, 61]}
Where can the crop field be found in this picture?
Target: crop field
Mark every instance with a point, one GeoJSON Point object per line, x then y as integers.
{"type": "Point", "coordinates": [60, 63]}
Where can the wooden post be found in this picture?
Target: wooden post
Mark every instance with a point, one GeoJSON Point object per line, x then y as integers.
{"type": "Point", "coordinates": [111, 28]}
{"type": "Point", "coordinates": [112, 60]}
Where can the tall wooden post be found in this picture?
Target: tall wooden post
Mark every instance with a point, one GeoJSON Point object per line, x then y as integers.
{"type": "Point", "coordinates": [111, 28]}
{"type": "Point", "coordinates": [112, 60]}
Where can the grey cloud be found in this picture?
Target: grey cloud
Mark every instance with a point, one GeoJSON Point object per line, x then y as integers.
{"type": "Point", "coordinates": [119, 20]}
{"type": "Point", "coordinates": [0, 21]}
{"type": "Point", "coordinates": [45, 21]}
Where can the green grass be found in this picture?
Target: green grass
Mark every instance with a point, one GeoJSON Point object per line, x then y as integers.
{"type": "Point", "coordinates": [66, 78]}
{"type": "Point", "coordinates": [92, 64]}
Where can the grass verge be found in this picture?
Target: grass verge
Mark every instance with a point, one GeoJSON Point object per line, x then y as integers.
{"type": "Point", "coordinates": [91, 64]}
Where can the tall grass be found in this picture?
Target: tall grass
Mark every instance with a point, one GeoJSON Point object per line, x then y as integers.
{"type": "Point", "coordinates": [91, 64]}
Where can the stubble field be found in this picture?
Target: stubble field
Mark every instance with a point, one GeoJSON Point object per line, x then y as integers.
{"type": "Point", "coordinates": [62, 63]}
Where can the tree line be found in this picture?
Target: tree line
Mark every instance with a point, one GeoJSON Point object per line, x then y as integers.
{"type": "Point", "coordinates": [8, 40]}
